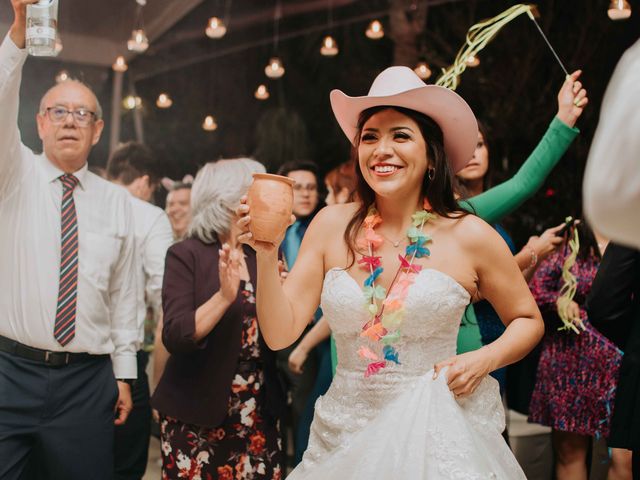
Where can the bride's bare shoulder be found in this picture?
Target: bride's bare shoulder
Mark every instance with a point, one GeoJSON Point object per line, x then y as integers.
{"type": "Point", "coordinates": [335, 217]}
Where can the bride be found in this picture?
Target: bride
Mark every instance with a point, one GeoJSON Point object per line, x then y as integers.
{"type": "Point", "coordinates": [393, 274]}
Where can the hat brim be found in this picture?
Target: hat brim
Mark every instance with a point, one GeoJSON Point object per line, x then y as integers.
{"type": "Point", "coordinates": [452, 114]}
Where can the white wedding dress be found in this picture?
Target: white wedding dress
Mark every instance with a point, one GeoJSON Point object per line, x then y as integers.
{"type": "Point", "coordinates": [400, 424]}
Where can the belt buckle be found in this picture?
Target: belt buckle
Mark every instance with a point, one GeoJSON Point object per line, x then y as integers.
{"type": "Point", "coordinates": [49, 358]}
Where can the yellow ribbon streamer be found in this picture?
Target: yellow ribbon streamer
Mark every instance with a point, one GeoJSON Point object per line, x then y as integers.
{"type": "Point", "coordinates": [569, 287]}
{"type": "Point", "coordinates": [478, 36]}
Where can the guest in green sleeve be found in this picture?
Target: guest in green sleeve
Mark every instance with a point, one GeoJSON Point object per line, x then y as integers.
{"type": "Point", "coordinates": [493, 204]}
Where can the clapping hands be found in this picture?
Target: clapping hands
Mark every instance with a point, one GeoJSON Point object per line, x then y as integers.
{"type": "Point", "coordinates": [229, 272]}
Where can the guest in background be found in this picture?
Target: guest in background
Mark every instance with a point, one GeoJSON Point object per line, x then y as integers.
{"type": "Point", "coordinates": [578, 370]}
{"type": "Point", "coordinates": [133, 166]}
{"type": "Point", "coordinates": [612, 175]}
{"type": "Point", "coordinates": [613, 307]}
{"type": "Point", "coordinates": [219, 398]}
{"type": "Point", "coordinates": [493, 204]}
{"type": "Point", "coordinates": [341, 183]}
{"type": "Point", "coordinates": [178, 208]}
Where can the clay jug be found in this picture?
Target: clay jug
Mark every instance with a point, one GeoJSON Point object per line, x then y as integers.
{"type": "Point", "coordinates": [270, 200]}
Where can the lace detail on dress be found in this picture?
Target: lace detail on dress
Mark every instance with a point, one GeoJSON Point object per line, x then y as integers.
{"type": "Point", "coordinates": [400, 423]}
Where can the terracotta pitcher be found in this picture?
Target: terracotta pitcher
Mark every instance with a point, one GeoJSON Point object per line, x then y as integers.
{"type": "Point", "coordinates": [270, 199]}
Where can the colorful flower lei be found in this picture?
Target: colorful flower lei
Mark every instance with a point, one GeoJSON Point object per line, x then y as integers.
{"type": "Point", "coordinates": [383, 326]}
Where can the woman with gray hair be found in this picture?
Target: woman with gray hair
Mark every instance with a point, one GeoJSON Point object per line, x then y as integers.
{"type": "Point", "coordinates": [219, 398]}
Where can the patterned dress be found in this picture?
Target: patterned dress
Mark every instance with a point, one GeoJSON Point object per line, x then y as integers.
{"type": "Point", "coordinates": [577, 373]}
{"type": "Point", "coordinates": [246, 446]}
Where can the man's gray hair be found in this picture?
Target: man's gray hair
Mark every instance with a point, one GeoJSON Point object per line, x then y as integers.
{"type": "Point", "coordinates": [216, 193]}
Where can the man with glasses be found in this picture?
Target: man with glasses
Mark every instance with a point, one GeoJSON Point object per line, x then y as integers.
{"type": "Point", "coordinates": [134, 167]}
{"type": "Point", "coordinates": [67, 285]}
{"type": "Point", "coordinates": [306, 202]}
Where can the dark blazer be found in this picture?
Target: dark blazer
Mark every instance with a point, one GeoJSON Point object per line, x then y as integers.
{"type": "Point", "coordinates": [614, 309]}
{"type": "Point", "coordinates": [196, 383]}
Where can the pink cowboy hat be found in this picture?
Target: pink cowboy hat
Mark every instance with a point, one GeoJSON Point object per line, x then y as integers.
{"type": "Point", "coordinates": [401, 87]}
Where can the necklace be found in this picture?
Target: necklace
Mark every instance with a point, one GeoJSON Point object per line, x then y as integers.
{"type": "Point", "coordinates": [385, 320]}
{"type": "Point", "coordinates": [395, 243]}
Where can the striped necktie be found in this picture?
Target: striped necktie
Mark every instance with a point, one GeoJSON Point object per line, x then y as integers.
{"type": "Point", "coordinates": [65, 326]}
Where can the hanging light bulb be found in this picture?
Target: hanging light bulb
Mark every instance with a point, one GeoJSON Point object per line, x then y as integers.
{"type": "Point", "coordinates": [261, 92]}
{"type": "Point", "coordinates": [62, 76]}
{"type": "Point", "coordinates": [472, 61]}
{"type": "Point", "coordinates": [164, 100]}
{"type": "Point", "coordinates": [138, 41]}
{"type": "Point", "coordinates": [215, 28]}
{"type": "Point", "coordinates": [329, 47]}
{"type": "Point", "coordinates": [274, 69]}
{"type": "Point", "coordinates": [375, 30]}
{"type": "Point", "coordinates": [422, 70]}
{"type": "Point", "coordinates": [130, 102]}
{"type": "Point", "coordinates": [58, 48]}
{"type": "Point", "coordinates": [209, 123]}
{"type": "Point", "coordinates": [619, 10]}
{"type": "Point", "coordinates": [120, 65]}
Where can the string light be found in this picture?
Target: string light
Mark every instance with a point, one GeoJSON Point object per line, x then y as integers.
{"type": "Point", "coordinates": [138, 41]}
{"type": "Point", "coordinates": [619, 10]}
{"type": "Point", "coordinates": [261, 92]}
{"type": "Point", "coordinates": [120, 65]}
{"type": "Point", "coordinates": [164, 101]}
{"type": "Point", "coordinates": [375, 30]}
{"type": "Point", "coordinates": [215, 28]}
{"type": "Point", "coordinates": [422, 70]}
{"type": "Point", "coordinates": [472, 61]}
{"type": "Point", "coordinates": [274, 69]}
{"type": "Point", "coordinates": [329, 47]}
{"type": "Point", "coordinates": [209, 123]}
{"type": "Point", "coordinates": [130, 102]}
{"type": "Point", "coordinates": [62, 76]}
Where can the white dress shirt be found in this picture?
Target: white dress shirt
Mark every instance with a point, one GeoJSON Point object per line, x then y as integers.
{"type": "Point", "coordinates": [30, 202]}
{"type": "Point", "coordinates": [611, 192]}
{"type": "Point", "coordinates": [153, 238]}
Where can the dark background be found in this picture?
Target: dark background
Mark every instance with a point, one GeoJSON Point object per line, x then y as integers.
{"type": "Point", "coordinates": [513, 90]}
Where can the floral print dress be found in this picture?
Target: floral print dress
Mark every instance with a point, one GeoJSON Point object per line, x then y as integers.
{"type": "Point", "coordinates": [577, 373]}
{"type": "Point", "coordinates": [246, 446]}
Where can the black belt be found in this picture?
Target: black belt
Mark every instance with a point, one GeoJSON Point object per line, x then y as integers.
{"type": "Point", "coordinates": [46, 357]}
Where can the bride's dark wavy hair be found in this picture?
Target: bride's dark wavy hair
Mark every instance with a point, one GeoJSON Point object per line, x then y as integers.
{"type": "Point", "coordinates": [439, 190]}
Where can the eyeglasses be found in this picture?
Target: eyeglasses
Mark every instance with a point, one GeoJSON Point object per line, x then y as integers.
{"type": "Point", "coordinates": [81, 116]}
{"type": "Point", "coordinates": [309, 187]}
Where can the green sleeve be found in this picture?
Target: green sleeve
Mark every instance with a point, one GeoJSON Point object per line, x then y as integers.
{"type": "Point", "coordinates": [469, 338]}
{"type": "Point", "coordinates": [503, 199]}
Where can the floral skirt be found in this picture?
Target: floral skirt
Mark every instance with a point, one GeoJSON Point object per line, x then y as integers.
{"type": "Point", "coordinates": [246, 446]}
{"type": "Point", "coordinates": [576, 382]}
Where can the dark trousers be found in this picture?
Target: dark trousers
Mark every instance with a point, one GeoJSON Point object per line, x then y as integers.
{"type": "Point", "coordinates": [62, 417]}
{"type": "Point", "coordinates": [131, 443]}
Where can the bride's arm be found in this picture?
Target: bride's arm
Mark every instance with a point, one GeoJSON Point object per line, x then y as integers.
{"type": "Point", "coordinates": [502, 284]}
{"type": "Point", "coordinates": [284, 310]}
